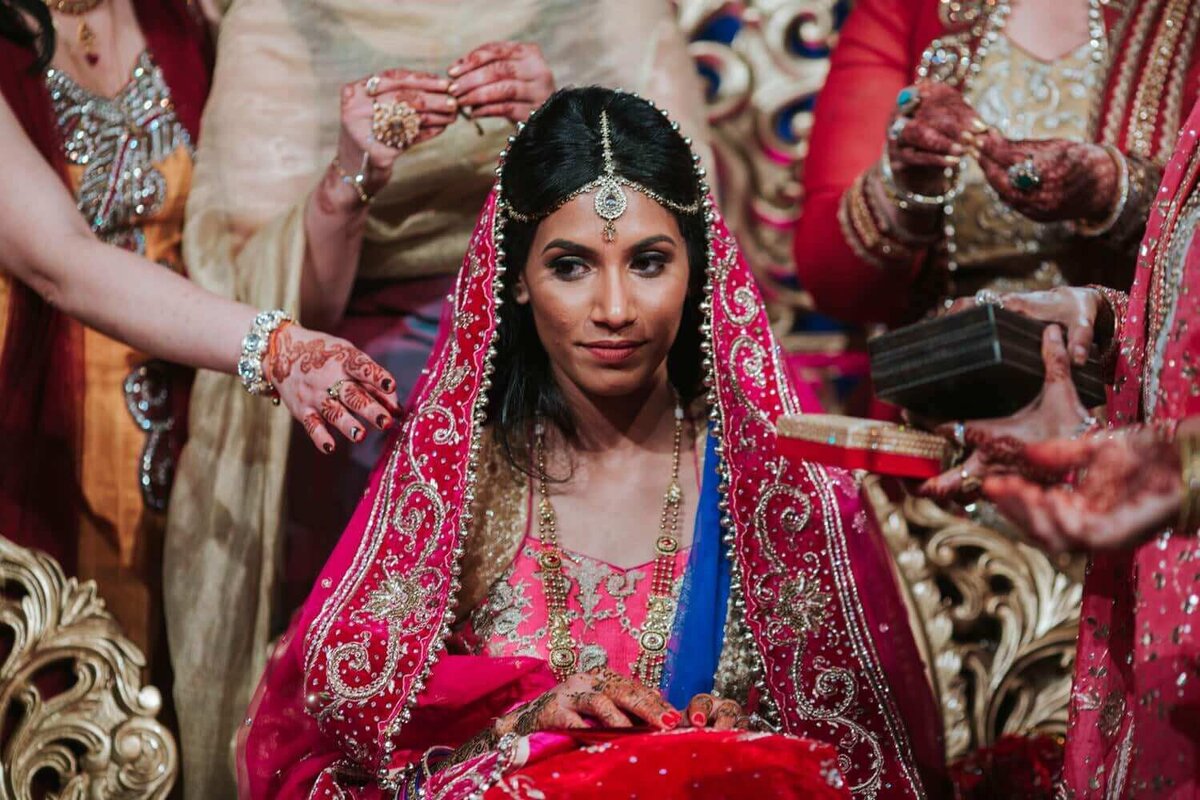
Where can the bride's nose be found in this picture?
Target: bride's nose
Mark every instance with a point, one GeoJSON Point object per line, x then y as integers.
{"type": "Point", "coordinates": [615, 306]}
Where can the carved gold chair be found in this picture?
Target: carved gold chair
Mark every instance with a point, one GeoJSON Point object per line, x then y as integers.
{"type": "Point", "coordinates": [996, 619]}
{"type": "Point", "coordinates": [77, 721]}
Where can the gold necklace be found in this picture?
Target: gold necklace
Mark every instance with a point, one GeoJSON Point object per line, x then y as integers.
{"type": "Point", "coordinates": [84, 34]}
{"type": "Point", "coordinates": [660, 606]}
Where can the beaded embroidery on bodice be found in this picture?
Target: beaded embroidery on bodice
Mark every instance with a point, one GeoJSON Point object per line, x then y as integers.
{"type": "Point", "coordinates": [118, 141]}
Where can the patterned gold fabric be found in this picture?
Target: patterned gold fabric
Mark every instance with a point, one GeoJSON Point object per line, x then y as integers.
{"type": "Point", "coordinates": [1023, 98]}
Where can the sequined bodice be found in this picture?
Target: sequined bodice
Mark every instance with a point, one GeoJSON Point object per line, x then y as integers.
{"type": "Point", "coordinates": [606, 605]}
{"type": "Point", "coordinates": [119, 143]}
{"type": "Point", "coordinates": [1023, 98]}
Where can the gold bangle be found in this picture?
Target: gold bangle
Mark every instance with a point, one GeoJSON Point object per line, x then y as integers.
{"type": "Point", "coordinates": [1189, 465]}
{"type": "Point", "coordinates": [355, 182]}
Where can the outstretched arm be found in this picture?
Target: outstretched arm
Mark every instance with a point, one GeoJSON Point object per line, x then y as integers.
{"type": "Point", "coordinates": [47, 245]}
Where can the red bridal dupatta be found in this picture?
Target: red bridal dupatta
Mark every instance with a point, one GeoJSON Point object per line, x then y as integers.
{"type": "Point", "coordinates": [1135, 706]}
{"type": "Point", "coordinates": [366, 680]}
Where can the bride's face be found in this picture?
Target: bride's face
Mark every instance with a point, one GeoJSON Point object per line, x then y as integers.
{"type": "Point", "coordinates": [607, 312]}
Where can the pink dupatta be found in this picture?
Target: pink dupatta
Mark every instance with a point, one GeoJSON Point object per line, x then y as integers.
{"type": "Point", "coordinates": [1135, 704]}
{"type": "Point", "coordinates": [362, 683]}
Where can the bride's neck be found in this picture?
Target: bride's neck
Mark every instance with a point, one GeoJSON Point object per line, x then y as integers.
{"type": "Point", "coordinates": [642, 420]}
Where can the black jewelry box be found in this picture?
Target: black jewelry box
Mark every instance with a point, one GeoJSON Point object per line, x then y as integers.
{"type": "Point", "coordinates": [979, 363]}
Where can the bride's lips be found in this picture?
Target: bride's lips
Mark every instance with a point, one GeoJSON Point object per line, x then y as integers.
{"type": "Point", "coordinates": [612, 351]}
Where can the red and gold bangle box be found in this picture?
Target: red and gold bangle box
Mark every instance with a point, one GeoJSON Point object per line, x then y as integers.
{"type": "Point", "coordinates": [852, 443]}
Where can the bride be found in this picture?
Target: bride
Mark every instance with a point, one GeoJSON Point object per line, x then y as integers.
{"type": "Point", "coordinates": [583, 569]}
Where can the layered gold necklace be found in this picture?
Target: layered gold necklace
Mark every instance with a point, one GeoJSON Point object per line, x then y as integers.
{"type": "Point", "coordinates": [84, 34]}
{"type": "Point", "coordinates": [660, 606]}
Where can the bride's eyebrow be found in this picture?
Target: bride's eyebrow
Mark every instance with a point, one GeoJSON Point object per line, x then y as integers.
{"type": "Point", "coordinates": [642, 244]}
{"type": "Point", "coordinates": [570, 247]}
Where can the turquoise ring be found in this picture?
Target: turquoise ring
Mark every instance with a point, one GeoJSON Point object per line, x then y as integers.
{"type": "Point", "coordinates": [908, 99]}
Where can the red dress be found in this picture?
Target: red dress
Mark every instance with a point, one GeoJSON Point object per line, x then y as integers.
{"type": "Point", "coordinates": [1135, 706]}
{"type": "Point", "coordinates": [1152, 76]}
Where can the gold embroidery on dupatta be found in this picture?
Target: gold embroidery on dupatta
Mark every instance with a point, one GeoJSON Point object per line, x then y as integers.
{"type": "Point", "coordinates": [795, 607]}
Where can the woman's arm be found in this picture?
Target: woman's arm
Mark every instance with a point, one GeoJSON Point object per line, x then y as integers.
{"type": "Point", "coordinates": [336, 211]}
{"type": "Point", "coordinates": [869, 66]}
{"type": "Point", "coordinates": [47, 245]}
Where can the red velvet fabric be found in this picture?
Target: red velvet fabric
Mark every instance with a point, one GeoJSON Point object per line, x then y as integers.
{"type": "Point", "coordinates": [40, 367]}
{"type": "Point", "coordinates": [681, 765]}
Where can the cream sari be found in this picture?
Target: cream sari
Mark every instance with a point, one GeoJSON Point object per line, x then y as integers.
{"type": "Point", "coordinates": [269, 130]}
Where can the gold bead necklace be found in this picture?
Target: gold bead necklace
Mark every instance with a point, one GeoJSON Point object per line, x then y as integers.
{"type": "Point", "coordinates": [660, 605]}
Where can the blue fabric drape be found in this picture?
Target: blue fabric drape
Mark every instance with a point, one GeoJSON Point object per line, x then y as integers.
{"type": "Point", "coordinates": [698, 632]}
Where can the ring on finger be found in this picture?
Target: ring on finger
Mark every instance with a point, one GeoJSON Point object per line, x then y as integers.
{"type": "Point", "coordinates": [395, 124]}
{"type": "Point", "coordinates": [1024, 176]}
{"type": "Point", "coordinates": [908, 99]}
{"type": "Point", "coordinates": [987, 297]}
{"type": "Point", "coordinates": [969, 483]}
{"type": "Point", "coordinates": [373, 84]}
{"type": "Point", "coordinates": [960, 434]}
{"type": "Point", "coordinates": [897, 128]}
{"type": "Point", "coordinates": [335, 391]}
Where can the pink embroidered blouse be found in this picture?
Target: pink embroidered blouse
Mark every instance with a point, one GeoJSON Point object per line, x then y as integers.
{"type": "Point", "coordinates": [607, 606]}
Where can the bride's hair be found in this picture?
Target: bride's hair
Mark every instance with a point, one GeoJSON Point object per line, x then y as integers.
{"type": "Point", "coordinates": [557, 152]}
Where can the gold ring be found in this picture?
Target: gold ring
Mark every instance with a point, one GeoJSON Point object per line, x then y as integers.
{"type": "Point", "coordinates": [396, 124]}
{"type": "Point", "coordinates": [969, 483]}
{"type": "Point", "coordinates": [335, 391]}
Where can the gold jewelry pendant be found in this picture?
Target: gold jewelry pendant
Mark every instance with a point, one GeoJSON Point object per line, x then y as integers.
{"type": "Point", "coordinates": [87, 42]}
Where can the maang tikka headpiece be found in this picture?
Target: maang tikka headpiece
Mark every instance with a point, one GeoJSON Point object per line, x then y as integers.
{"type": "Point", "coordinates": [610, 201]}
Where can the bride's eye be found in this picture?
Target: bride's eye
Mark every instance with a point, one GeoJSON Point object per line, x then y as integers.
{"type": "Point", "coordinates": [568, 267]}
{"type": "Point", "coordinates": [650, 263]}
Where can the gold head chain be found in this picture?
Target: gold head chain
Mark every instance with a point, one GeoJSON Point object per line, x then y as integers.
{"type": "Point", "coordinates": [610, 201]}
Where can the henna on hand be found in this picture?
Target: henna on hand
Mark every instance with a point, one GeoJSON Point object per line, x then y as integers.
{"type": "Point", "coordinates": [502, 79]}
{"type": "Point", "coordinates": [1078, 180]}
{"type": "Point", "coordinates": [1127, 484]}
{"type": "Point", "coordinates": [934, 136]}
{"type": "Point", "coordinates": [1055, 413]}
{"type": "Point", "coordinates": [303, 366]}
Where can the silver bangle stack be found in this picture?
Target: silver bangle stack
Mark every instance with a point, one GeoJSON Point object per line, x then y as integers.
{"type": "Point", "coordinates": [254, 349]}
{"type": "Point", "coordinates": [1123, 179]}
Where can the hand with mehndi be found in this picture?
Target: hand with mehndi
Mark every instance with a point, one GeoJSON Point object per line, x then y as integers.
{"type": "Point", "coordinates": [997, 444]}
{"type": "Point", "coordinates": [1083, 311]}
{"type": "Point", "coordinates": [501, 79]}
{"type": "Point", "coordinates": [925, 139]}
{"type": "Point", "coordinates": [326, 381]}
{"type": "Point", "coordinates": [1075, 180]}
{"type": "Point", "coordinates": [602, 696]}
{"type": "Point", "coordinates": [1127, 485]}
{"type": "Point", "coordinates": [359, 143]}
{"type": "Point", "coordinates": [720, 714]}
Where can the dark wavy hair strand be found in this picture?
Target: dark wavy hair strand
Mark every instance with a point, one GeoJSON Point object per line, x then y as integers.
{"type": "Point", "coordinates": [27, 24]}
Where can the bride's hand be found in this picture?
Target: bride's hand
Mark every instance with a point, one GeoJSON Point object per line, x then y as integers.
{"type": "Point", "coordinates": [604, 696]}
{"type": "Point", "coordinates": [326, 381]}
{"type": "Point", "coordinates": [423, 92]}
{"type": "Point", "coordinates": [706, 711]}
{"type": "Point", "coordinates": [1056, 413]}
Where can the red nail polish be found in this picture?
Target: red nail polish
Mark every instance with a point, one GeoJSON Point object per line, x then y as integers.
{"type": "Point", "coordinates": [698, 720]}
{"type": "Point", "coordinates": [327, 447]}
{"type": "Point", "coordinates": [386, 384]}
{"type": "Point", "coordinates": [383, 422]}
{"type": "Point", "coordinates": [670, 719]}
